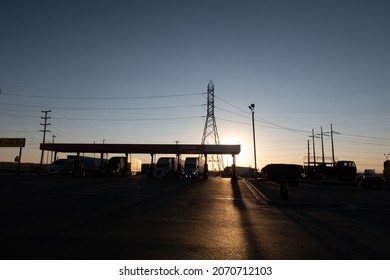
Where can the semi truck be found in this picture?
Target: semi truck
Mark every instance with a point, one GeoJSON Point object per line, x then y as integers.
{"type": "Point", "coordinates": [117, 166]}
{"type": "Point", "coordinates": [241, 171]}
{"type": "Point", "coordinates": [346, 171]}
{"type": "Point", "coordinates": [343, 170]}
{"type": "Point", "coordinates": [371, 179]}
{"type": "Point", "coordinates": [166, 167]}
{"type": "Point", "coordinates": [121, 167]}
{"type": "Point", "coordinates": [386, 172]}
{"type": "Point", "coordinates": [62, 166]}
{"type": "Point", "coordinates": [193, 167]}
{"type": "Point", "coordinates": [78, 164]}
{"type": "Point", "coordinates": [88, 165]}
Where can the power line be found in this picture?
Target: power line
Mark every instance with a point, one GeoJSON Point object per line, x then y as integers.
{"type": "Point", "coordinates": [77, 127]}
{"type": "Point", "coordinates": [103, 108]}
{"type": "Point", "coordinates": [136, 119]}
{"type": "Point", "coordinates": [299, 131]}
{"type": "Point", "coordinates": [231, 112]}
{"type": "Point", "coordinates": [238, 108]}
{"type": "Point", "coordinates": [360, 142]}
{"type": "Point", "coordinates": [18, 115]}
{"type": "Point", "coordinates": [368, 137]}
{"type": "Point", "coordinates": [102, 98]}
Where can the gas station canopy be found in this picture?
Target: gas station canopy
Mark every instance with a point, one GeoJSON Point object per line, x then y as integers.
{"type": "Point", "coordinates": [142, 148]}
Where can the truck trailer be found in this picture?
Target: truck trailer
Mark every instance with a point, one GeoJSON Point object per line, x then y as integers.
{"type": "Point", "coordinates": [166, 167]}
{"type": "Point", "coordinates": [117, 166]}
{"type": "Point", "coordinates": [282, 173]}
{"type": "Point", "coordinates": [78, 164]}
{"type": "Point", "coordinates": [62, 166]}
{"type": "Point", "coordinates": [135, 166]}
{"type": "Point", "coordinates": [240, 171]}
{"type": "Point", "coordinates": [88, 165]}
{"type": "Point", "coordinates": [121, 167]}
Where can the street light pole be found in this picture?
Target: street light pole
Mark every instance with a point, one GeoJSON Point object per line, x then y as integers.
{"type": "Point", "coordinates": [252, 108]}
{"type": "Point", "coordinates": [51, 157]}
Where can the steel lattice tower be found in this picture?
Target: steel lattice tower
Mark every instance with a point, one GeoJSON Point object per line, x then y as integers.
{"type": "Point", "coordinates": [210, 132]}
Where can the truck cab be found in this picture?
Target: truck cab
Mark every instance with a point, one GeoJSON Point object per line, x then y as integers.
{"type": "Point", "coordinates": [62, 166]}
{"type": "Point", "coordinates": [165, 167]}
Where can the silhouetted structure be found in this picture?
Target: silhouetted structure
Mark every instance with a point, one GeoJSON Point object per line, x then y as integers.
{"type": "Point", "coordinates": [210, 132]}
{"type": "Point", "coordinates": [45, 124]}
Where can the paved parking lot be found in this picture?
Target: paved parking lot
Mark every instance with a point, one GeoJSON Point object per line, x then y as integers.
{"type": "Point", "coordinates": [70, 217]}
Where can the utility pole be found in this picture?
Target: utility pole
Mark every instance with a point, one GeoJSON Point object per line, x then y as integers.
{"type": "Point", "coordinates": [252, 108]}
{"type": "Point", "coordinates": [332, 132]}
{"type": "Point", "coordinates": [45, 124]}
{"type": "Point", "coordinates": [331, 139]}
{"type": "Point", "coordinates": [308, 152]}
{"type": "Point", "coordinates": [322, 143]}
{"type": "Point", "coordinates": [314, 148]}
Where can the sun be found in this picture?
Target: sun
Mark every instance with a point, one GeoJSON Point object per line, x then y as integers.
{"type": "Point", "coordinates": [245, 157]}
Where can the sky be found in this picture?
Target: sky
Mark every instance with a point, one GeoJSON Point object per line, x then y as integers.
{"type": "Point", "coordinates": [136, 72]}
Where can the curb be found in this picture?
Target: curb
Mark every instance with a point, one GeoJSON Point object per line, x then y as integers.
{"type": "Point", "coordinates": [258, 193]}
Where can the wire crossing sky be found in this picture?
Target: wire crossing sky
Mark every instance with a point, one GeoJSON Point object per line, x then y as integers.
{"type": "Point", "coordinates": [137, 72]}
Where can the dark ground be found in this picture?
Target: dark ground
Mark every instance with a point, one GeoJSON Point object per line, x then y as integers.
{"type": "Point", "coordinates": [67, 217]}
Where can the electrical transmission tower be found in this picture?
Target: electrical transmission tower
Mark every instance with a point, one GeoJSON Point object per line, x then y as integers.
{"type": "Point", "coordinates": [210, 132]}
{"type": "Point", "coordinates": [45, 124]}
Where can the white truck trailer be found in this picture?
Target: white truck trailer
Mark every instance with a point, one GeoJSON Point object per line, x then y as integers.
{"type": "Point", "coordinates": [166, 167]}
{"type": "Point", "coordinates": [120, 166]}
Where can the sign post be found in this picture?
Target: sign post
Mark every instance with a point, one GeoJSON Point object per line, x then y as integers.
{"type": "Point", "coordinates": [14, 142]}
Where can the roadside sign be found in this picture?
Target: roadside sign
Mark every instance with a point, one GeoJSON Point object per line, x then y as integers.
{"type": "Point", "coordinates": [12, 142]}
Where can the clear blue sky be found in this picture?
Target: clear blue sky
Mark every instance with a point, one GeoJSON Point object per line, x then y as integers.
{"type": "Point", "coordinates": [135, 71]}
